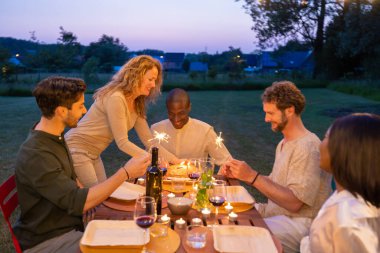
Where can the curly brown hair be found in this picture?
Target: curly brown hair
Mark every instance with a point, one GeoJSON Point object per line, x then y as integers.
{"type": "Point", "coordinates": [128, 79]}
{"type": "Point", "coordinates": [285, 94]}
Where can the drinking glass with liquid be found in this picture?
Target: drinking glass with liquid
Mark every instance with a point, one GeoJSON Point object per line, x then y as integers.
{"type": "Point", "coordinates": [196, 236]}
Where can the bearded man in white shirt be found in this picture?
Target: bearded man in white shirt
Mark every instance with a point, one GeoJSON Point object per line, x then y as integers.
{"type": "Point", "coordinates": [296, 187]}
{"type": "Point", "coordinates": [189, 138]}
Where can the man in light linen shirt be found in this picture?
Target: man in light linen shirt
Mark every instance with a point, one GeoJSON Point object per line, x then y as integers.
{"type": "Point", "coordinates": [297, 187]}
{"type": "Point", "coordinates": [189, 138]}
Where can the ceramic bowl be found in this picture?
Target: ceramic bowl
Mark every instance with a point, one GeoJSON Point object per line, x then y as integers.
{"type": "Point", "coordinates": [179, 205]}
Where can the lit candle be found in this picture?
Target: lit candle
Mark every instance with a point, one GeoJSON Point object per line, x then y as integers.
{"type": "Point", "coordinates": [140, 181]}
{"type": "Point", "coordinates": [165, 218]}
{"type": "Point", "coordinates": [232, 216]}
{"type": "Point", "coordinates": [228, 207]}
{"type": "Point", "coordinates": [171, 195]}
{"type": "Point", "coordinates": [206, 213]}
{"type": "Point", "coordinates": [180, 223]}
{"type": "Point", "coordinates": [196, 221]}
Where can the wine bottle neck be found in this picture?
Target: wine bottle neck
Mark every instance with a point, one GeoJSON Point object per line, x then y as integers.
{"type": "Point", "coordinates": [154, 156]}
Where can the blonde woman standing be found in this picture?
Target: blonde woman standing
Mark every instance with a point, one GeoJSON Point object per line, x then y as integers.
{"type": "Point", "coordinates": [119, 106]}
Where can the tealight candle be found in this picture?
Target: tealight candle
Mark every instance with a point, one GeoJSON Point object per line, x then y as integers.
{"type": "Point", "coordinates": [171, 195]}
{"type": "Point", "coordinates": [196, 221]}
{"type": "Point", "coordinates": [180, 223]}
{"type": "Point", "coordinates": [232, 216]}
{"type": "Point", "coordinates": [228, 208]}
{"type": "Point", "coordinates": [165, 218]}
{"type": "Point", "coordinates": [206, 213]}
{"type": "Point", "coordinates": [140, 181]}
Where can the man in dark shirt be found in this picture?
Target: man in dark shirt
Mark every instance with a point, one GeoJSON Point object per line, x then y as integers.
{"type": "Point", "coordinates": [51, 198]}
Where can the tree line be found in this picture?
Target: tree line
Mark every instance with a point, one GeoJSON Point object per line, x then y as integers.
{"type": "Point", "coordinates": [344, 34]}
{"type": "Point", "coordinates": [68, 55]}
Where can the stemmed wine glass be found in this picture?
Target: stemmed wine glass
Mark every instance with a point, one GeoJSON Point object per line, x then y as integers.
{"type": "Point", "coordinates": [145, 214]}
{"type": "Point", "coordinates": [194, 169]}
{"type": "Point", "coordinates": [207, 165]}
{"type": "Point", "coordinates": [194, 172]}
{"type": "Point", "coordinates": [217, 196]}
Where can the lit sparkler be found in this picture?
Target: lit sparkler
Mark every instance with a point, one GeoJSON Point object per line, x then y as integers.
{"type": "Point", "coordinates": [160, 137]}
{"type": "Point", "coordinates": [219, 140]}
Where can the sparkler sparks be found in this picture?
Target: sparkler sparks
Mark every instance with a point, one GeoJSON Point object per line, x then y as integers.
{"type": "Point", "coordinates": [160, 137]}
{"type": "Point", "coordinates": [219, 140]}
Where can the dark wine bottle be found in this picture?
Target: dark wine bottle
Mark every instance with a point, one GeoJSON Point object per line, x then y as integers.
{"type": "Point", "coordinates": [154, 180]}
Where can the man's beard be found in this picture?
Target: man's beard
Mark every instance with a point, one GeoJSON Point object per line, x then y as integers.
{"type": "Point", "coordinates": [281, 126]}
{"type": "Point", "coordinates": [71, 121]}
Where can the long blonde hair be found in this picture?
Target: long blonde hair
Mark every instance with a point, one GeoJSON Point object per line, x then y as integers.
{"type": "Point", "coordinates": [129, 78]}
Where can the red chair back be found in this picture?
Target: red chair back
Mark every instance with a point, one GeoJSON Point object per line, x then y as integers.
{"type": "Point", "coordinates": [8, 203]}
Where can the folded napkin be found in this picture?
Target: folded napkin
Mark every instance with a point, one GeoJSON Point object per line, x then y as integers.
{"type": "Point", "coordinates": [241, 239]}
{"type": "Point", "coordinates": [238, 194]}
{"type": "Point", "coordinates": [128, 191]}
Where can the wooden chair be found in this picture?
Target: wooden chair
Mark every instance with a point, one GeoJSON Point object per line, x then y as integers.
{"type": "Point", "coordinates": [8, 203]}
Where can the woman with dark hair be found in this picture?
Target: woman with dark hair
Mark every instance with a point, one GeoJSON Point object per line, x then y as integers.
{"type": "Point", "coordinates": [119, 106]}
{"type": "Point", "coordinates": [349, 221]}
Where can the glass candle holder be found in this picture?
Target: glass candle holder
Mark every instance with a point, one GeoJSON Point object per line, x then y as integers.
{"type": "Point", "coordinates": [196, 221]}
{"type": "Point", "coordinates": [180, 225]}
{"type": "Point", "coordinates": [160, 228]}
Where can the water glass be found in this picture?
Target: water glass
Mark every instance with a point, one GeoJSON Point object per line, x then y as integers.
{"type": "Point", "coordinates": [196, 236]}
{"type": "Point", "coordinates": [178, 184]}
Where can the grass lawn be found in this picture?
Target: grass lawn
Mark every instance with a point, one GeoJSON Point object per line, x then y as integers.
{"type": "Point", "coordinates": [238, 114]}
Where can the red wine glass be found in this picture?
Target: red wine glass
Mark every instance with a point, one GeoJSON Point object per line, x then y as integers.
{"type": "Point", "coordinates": [145, 213]}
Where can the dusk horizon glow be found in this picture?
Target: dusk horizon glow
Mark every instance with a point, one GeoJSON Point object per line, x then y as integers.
{"type": "Point", "coordinates": [169, 25]}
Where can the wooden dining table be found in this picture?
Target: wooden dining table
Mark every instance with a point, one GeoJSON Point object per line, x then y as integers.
{"type": "Point", "coordinates": [250, 217]}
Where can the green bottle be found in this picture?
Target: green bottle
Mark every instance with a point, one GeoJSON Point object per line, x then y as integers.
{"type": "Point", "coordinates": [154, 180]}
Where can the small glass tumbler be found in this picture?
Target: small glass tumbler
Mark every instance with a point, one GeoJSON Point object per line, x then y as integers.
{"type": "Point", "coordinates": [196, 236]}
{"type": "Point", "coordinates": [178, 184]}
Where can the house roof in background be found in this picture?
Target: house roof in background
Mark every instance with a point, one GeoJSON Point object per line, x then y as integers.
{"type": "Point", "coordinates": [267, 60]}
{"type": "Point", "coordinates": [15, 61]}
{"type": "Point", "coordinates": [198, 66]}
{"type": "Point", "coordinates": [293, 60]}
{"type": "Point", "coordinates": [252, 60]}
